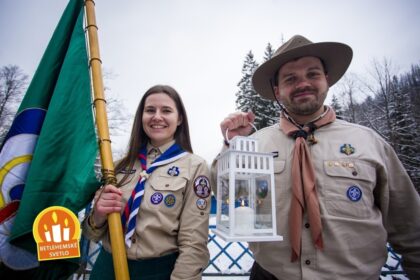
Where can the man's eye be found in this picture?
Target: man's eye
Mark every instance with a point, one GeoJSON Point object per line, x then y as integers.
{"type": "Point", "coordinates": [313, 74]}
{"type": "Point", "coordinates": [289, 80]}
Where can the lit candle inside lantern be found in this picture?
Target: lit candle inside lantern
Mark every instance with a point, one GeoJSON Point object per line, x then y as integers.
{"type": "Point", "coordinates": [47, 234]}
{"type": "Point", "coordinates": [66, 231]}
{"type": "Point", "coordinates": [56, 229]}
{"type": "Point", "coordinates": [244, 219]}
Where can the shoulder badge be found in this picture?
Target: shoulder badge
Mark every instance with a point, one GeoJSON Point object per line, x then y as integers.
{"type": "Point", "coordinates": [201, 203]}
{"type": "Point", "coordinates": [202, 186]}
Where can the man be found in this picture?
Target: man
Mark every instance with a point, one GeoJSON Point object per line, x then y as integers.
{"type": "Point", "coordinates": [341, 191]}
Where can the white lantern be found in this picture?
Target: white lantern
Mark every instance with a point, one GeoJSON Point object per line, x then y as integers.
{"type": "Point", "coordinates": [246, 207]}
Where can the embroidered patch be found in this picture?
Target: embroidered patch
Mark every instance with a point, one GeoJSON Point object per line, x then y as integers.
{"type": "Point", "coordinates": [354, 193]}
{"type": "Point", "coordinates": [173, 171]}
{"type": "Point", "coordinates": [156, 198]}
{"type": "Point", "coordinates": [201, 203]}
{"type": "Point", "coordinates": [347, 149]}
{"type": "Point", "coordinates": [202, 186]}
{"type": "Point", "coordinates": [262, 188]}
{"type": "Point", "coordinates": [170, 200]}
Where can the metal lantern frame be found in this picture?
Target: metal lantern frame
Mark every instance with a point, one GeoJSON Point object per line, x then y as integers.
{"type": "Point", "coordinates": [243, 162]}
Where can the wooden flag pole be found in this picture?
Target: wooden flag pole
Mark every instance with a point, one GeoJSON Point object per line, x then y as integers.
{"type": "Point", "coordinates": [119, 255]}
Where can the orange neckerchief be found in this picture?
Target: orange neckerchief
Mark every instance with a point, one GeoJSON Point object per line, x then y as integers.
{"type": "Point", "coordinates": [304, 194]}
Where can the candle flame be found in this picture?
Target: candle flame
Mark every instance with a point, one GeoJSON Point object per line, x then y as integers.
{"type": "Point", "coordinates": [45, 227]}
{"type": "Point", "coordinates": [66, 222]}
{"type": "Point", "coordinates": [54, 217]}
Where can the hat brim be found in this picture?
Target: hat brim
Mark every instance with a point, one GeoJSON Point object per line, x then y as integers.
{"type": "Point", "coordinates": [335, 56]}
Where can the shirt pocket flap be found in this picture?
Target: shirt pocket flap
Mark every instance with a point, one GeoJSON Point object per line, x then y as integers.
{"type": "Point", "coordinates": [279, 166]}
{"type": "Point", "coordinates": [163, 182]}
{"type": "Point", "coordinates": [355, 169]}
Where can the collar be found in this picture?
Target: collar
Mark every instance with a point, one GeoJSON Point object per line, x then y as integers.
{"type": "Point", "coordinates": [159, 150]}
{"type": "Point", "coordinates": [287, 116]}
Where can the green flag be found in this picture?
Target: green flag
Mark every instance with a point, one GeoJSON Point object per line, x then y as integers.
{"type": "Point", "coordinates": [52, 141]}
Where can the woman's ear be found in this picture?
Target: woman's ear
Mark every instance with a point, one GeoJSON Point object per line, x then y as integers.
{"type": "Point", "coordinates": [179, 120]}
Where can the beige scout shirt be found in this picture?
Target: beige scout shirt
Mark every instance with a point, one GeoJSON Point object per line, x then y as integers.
{"type": "Point", "coordinates": [165, 225]}
{"type": "Point", "coordinates": [355, 231]}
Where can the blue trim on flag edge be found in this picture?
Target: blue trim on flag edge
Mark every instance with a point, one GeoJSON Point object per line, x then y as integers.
{"type": "Point", "coordinates": [29, 121]}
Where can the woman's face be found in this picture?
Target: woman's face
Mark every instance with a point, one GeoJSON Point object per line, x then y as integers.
{"type": "Point", "coordinates": [160, 118]}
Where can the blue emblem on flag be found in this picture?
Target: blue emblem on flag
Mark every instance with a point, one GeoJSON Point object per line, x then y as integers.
{"type": "Point", "coordinates": [170, 200]}
{"type": "Point", "coordinates": [354, 193]}
{"type": "Point", "coordinates": [173, 171]}
{"type": "Point", "coordinates": [156, 198]}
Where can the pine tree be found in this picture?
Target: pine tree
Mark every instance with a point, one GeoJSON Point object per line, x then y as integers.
{"type": "Point", "coordinates": [270, 109]}
{"type": "Point", "coordinates": [246, 96]}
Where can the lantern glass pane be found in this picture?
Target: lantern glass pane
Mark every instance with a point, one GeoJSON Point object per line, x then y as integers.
{"type": "Point", "coordinates": [263, 196]}
{"type": "Point", "coordinates": [224, 183]}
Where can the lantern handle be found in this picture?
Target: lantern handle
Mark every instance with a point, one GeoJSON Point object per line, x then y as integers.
{"type": "Point", "coordinates": [227, 130]}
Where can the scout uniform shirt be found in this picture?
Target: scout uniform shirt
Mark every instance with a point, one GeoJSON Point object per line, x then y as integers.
{"type": "Point", "coordinates": [365, 198]}
{"type": "Point", "coordinates": [173, 214]}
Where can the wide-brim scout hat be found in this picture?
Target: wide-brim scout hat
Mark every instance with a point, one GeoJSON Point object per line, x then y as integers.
{"type": "Point", "coordinates": [336, 58]}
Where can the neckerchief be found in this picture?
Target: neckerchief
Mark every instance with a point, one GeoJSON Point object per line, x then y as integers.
{"type": "Point", "coordinates": [304, 193]}
{"type": "Point", "coordinates": [128, 218]}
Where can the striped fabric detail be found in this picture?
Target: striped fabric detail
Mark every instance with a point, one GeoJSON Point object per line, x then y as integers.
{"type": "Point", "coordinates": [128, 218]}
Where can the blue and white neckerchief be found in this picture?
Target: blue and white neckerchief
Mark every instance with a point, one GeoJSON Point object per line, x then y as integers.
{"type": "Point", "coordinates": [128, 218]}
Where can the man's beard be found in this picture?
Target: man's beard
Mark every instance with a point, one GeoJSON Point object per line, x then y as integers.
{"type": "Point", "coordinates": [307, 107]}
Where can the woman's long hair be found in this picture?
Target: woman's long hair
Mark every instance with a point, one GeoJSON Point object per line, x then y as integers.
{"type": "Point", "coordinates": [139, 138]}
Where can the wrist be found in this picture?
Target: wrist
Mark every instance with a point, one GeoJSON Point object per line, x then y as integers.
{"type": "Point", "coordinates": [92, 223]}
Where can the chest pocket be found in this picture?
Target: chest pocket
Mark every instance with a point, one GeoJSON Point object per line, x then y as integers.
{"type": "Point", "coordinates": [347, 188]}
{"type": "Point", "coordinates": [166, 192]}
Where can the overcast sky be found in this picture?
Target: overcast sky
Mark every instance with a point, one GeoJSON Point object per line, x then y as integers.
{"type": "Point", "coordinates": [198, 46]}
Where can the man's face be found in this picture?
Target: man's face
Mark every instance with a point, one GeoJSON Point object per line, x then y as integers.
{"type": "Point", "coordinates": [302, 86]}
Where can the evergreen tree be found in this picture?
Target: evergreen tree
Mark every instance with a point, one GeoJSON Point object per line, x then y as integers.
{"type": "Point", "coordinates": [246, 97]}
{"type": "Point", "coordinates": [271, 109]}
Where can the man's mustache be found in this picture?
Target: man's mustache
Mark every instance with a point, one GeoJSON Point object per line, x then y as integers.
{"type": "Point", "coordinates": [305, 89]}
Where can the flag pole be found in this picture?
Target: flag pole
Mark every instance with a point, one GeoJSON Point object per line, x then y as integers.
{"type": "Point", "coordinates": [119, 255]}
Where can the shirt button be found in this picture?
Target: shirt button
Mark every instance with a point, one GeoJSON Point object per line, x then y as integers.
{"type": "Point", "coordinates": [308, 262]}
{"type": "Point", "coordinates": [307, 225]}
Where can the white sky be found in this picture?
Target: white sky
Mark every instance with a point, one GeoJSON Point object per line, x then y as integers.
{"type": "Point", "coordinates": [198, 46]}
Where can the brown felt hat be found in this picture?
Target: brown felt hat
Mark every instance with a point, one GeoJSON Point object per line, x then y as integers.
{"type": "Point", "coordinates": [335, 56]}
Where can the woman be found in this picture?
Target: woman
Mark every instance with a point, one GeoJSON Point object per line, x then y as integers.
{"type": "Point", "coordinates": [165, 218]}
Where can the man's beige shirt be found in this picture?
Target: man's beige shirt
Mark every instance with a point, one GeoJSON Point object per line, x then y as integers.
{"type": "Point", "coordinates": [355, 231]}
{"type": "Point", "coordinates": [166, 225]}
